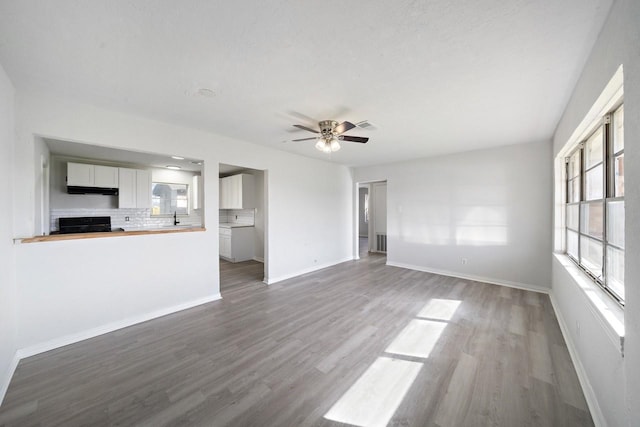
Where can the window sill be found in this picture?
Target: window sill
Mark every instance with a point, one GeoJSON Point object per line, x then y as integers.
{"type": "Point", "coordinates": [604, 308]}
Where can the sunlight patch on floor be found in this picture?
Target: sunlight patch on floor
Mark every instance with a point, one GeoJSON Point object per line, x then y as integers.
{"type": "Point", "coordinates": [417, 339]}
{"type": "Point", "coordinates": [374, 398]}
{"type": "Point", "coordinates": [441, 309]}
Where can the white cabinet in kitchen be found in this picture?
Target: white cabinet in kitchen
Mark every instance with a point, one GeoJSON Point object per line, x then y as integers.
{"type": "Point", "coordinates": [236, 243]}
{"type": "Point", "coordinates": [237, 192]}
{"type": "Point", "coordinates": [80, 175]}
{"type": "Point", "coordinates": [135, 188]}
{"type": "Point", "coordinates": [127, 190]}
{"type": "Point", "coordinates": [105, 176]}
{"type": "Point", "coordinates": [143, 189]}
{"type": "Point", "coordinates": [84, 175]}
{"type": "Point", "coordinates": [197, 192]}
{"type": "Point", "coordinates": [225, 243]}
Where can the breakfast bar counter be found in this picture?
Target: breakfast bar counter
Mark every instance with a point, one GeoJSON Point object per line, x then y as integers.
{"type": "Point", "coordinates": [77, 236]}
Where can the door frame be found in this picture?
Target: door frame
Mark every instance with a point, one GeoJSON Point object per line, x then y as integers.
{"type": "Point", "coordinates": [265, 219]}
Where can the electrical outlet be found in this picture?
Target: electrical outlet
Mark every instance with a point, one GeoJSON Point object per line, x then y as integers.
{"type": "Point", "coordinates": [464, 261]}
{"type": "Point", "coordinates": [126, 218]}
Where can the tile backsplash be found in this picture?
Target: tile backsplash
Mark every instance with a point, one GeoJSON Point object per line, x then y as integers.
{"type": "Point", "coordinates": [139, 219]}
{"type": "Point", "coordinates": [237, 216]}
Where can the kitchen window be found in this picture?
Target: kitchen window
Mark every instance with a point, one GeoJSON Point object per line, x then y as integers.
{"type": "Point", "coordinates": [169, 198]}
{"type": "Point", "coordinates": [595, 204]}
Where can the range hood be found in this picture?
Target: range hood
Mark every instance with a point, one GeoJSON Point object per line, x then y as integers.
{"type": "Point", "coordinates": [72, 189]}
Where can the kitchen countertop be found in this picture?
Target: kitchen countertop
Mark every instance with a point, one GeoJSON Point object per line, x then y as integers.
{"type": "Point", "coordinates": [77, 236]}
{"type": "Point", "coordinates": [234, 225]}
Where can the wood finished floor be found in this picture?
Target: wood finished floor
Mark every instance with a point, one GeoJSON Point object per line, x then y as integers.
{"type": "Point", "coordinates": [282, 355]}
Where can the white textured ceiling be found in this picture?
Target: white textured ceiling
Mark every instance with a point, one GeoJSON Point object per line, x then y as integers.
{"type": "Point", "coordinates": [435, 77]}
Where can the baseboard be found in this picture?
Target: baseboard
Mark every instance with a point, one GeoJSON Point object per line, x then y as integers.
{"type": "Point", "coordinates": [258, 259]}
{"type": "Point", "coordinates": [516, 285]}
{"type": "Point", "coordinates": [271, 281]}
{"type": "Point", "coordinates": [4, 385]}
{"type": "Point", "coordinates": [589, 394]}
{"type": "Point", "coordinates": [110, 327]}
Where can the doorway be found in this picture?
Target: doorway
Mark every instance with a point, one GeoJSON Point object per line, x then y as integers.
{"type": "Point", "coordinates": [363, 220]}
{"type": "Point", "coordinates": [242, 228]}
{"type": "Point", "coordinates": [371, 234]}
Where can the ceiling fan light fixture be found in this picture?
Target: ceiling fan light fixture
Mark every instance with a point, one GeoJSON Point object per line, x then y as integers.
{"type": "Point", "coordinates": [330, 134]}
{"type": "Point", "coordinates": [327, 147]}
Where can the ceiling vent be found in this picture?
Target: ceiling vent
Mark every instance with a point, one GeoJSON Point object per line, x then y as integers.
{"type": "Point", "coordinates": [365, 125]}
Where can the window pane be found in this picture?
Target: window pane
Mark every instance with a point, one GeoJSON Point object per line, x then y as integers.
{"type": "Point", "coordinates": [593, 149]}
{"type": "Point", "coordinates": [572, 217]}
{"type": "Point", "coordinates": [615, 223]}
{"type": "Point", "coordinates": [618, 129]}
{"type": "Point", "coordinates": [615, 271]}
{"type": "Point", "coordinates": [167, 199]}
{"type": "Point", "coordinates": [574, 190]}
{"type": "Point", "coordinates": [572, 244]}
{"type": "Point", "coordinates": [618, 165]}
{"type": "Point", "coordinates": [591, 255]}
{"type": "Point", "coordinates": [574, 165]}
{"type": "Point", "coordinates": [592, 220]}
{"type": "Point", "coordinates": [594, 185]}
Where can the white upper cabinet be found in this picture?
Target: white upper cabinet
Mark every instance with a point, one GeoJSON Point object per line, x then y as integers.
{"type": "Point", "coordinates": [127, 190]}
{"type": "Point", "coordinates": [106, 176]}
{"type": "Point", "coordinates": [83, 175]}
{"type": "Point", "coordinates": [237, 192]}
{"type": "Point", "coordinates": [197, 192]}
{"type": "Point", "coordinates": [135, 188]}
{"type": "Point", "coordinates": [80, 175]}
{"type": "Point", "coordinates": [143, 189]}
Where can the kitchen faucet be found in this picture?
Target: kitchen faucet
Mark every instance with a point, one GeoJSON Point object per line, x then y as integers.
{"type": "Point", "coordinates": [175, 218]}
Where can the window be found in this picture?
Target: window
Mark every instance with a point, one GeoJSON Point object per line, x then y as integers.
{"type": "Point", "coordinates": [169, 198]}
{"type": "Point", "coordinates": [595, 204]}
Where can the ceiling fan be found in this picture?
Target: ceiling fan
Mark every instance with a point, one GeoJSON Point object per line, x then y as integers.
{"type": "Point", "coordinates": [329, 133]}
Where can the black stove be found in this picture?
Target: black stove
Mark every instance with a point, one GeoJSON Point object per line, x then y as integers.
{"type": "Point", "coordinates": [84, 224]}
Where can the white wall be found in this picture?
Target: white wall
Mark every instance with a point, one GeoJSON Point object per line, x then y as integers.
{"type": "Point", "coordinates": [490, 207]}
{"type": "Point", "coordinates": [8, 298]}
{"type": "Point", "coordinates": [615, 381]}
{"type": "Point", "coordinates": [149, 274]}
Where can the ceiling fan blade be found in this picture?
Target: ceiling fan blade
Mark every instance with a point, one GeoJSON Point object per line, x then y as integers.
{"type": "Point", "coordinates": [353, 139]}
{"type": "Point", "coordinates": [343, 127]}
{"type": "Point", "coordinates": [303, 139]}
{"type": "Point", "coordinates": [306, 128]}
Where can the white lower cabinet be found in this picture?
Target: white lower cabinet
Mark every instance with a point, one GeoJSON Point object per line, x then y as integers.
{"type": "Point", "coordinates": [236, 244]}
{"type": "Point", "coordinates": [225, 242]}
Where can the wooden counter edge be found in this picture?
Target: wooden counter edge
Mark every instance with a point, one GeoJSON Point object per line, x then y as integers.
{"type": "Point", "coordinates": [79, 236]}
